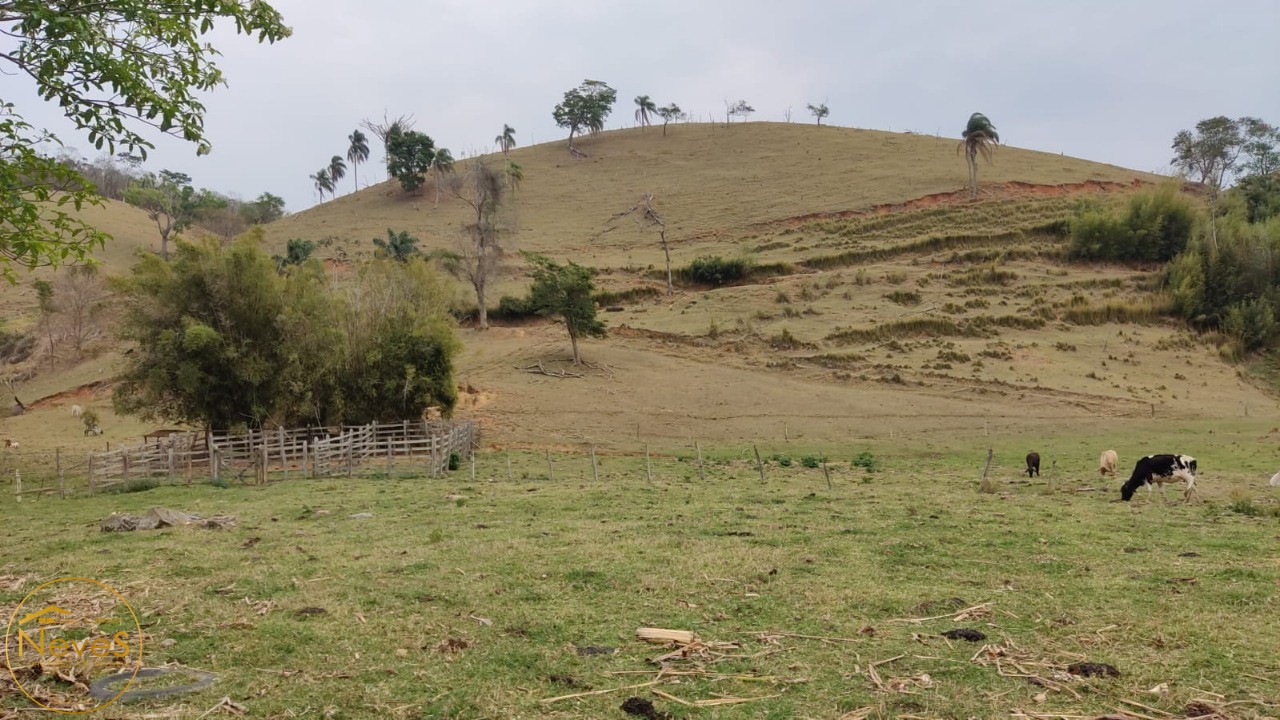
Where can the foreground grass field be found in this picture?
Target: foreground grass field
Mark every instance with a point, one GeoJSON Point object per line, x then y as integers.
{"type": "Point", "coordinates": [480, 599]}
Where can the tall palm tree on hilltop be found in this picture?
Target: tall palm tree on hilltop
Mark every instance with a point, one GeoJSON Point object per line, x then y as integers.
{"type": "Point", "coordinates": [441, 165]}
{"type": "Point", "coordinates": [357, 153]}
{"type": "Point", "coordinates": [337, 171]}
{"type": "Point", "coordinates": [980, 138]}
{"type": "Point", "coordinates": [506, 140]}
{"type": "Point", "coordinates": [646, 108]}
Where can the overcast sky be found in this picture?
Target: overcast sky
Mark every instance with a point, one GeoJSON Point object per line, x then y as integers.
{"type": "Point", "coordinates": [1107, 80]}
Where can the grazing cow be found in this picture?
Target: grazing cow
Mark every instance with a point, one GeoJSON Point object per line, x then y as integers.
{"type": "Point", "coordinates": [77, 410]}
{"type": "Point", "coordinates": [10, 443]}
{"type": "Point", "coordinates": [1107, 463]}
{"type": "Point", "coordinates": [1158, 470]}
{"type": "Point", "coordinates": [1033, 464]}
{"type": "Point", "coordinates": [1275, 480]}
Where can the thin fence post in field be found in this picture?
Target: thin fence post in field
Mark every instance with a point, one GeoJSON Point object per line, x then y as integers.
{"type": "Point", "coordinates": [826, 473]}
{"type": "Point", "coordinates": [985, 485]}
{"type": "Point", "coordinates": [306, 455]}
{"type": "Point", "coordinates": [350, 451]}
{"type": "Point", "coordinates": [550, 470]}
{"type": "Point", "coordinates": [595, 471]}
{"type": "Point", "coordinates": [648, 468]}
{"type": "Point", "coordinates": [89, 465]}
{"type": "Point", "coordinates": [169, 464]}
{"type": "Point", "coordinates": [390, 445]}
{"type": "Point", "coordinates": [284, 457]}
{"type": "Point", "coordinates": [473, 467]}
{"type": "Point", "coordinates": [508, 453]}
{"type": "Point", "coordinates": [215, 460]}
{"type": "Point", "coordinates": [190, 452]}
{"type": "Point", "coordinates": [264, 458]}
{"type": "Point", "coordinates": [17, 484]}
{"type": "Point", "coordinates": [62, 478]}
{"type": "Point", "coordinates": [125, 465]}
{"type": "Point", "coordinates": [702, 473]}
{"type": "Point", "coordinates": [759, 464]}
{"type": "Point", "coordinates": [786, 431]}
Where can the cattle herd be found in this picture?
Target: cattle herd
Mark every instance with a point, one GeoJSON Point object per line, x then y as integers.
{"type": "Point", "coordinates": [1152, 470]}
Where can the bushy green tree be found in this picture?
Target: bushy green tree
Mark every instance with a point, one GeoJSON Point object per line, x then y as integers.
{"type": "Point", "coordinates": [409, 158]}
{"type": "Point", "coordinates": [297, 252]}
{"type": "Point", "coordinates": [222, 340]}
{"type": "Point", "coordinates": [585, 108]}
{"type": "Point", "coordinates": [819, 111]}
{"type": "Point", "coordinates": [112, 68]}
{"type": "Point", "coordinates": [564, 292]}
{"type": "Point", "coordinates": [267, 208]}
{"type": "Point", "coordinates": [171, 202]}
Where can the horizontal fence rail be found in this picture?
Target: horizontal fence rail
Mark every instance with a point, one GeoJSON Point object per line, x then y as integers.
{"type": "Point", "coordinates": [257, 456]}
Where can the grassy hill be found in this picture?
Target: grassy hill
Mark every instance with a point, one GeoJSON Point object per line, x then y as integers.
{"type": "Point", "coordinates": [889, 304]}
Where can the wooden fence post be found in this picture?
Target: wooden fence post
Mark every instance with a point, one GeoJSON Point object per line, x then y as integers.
{"type": "Point", "coordinates": [550, 471]}
{"type": "Point", "coordinates": [215, 459]}
{"type": "Point", "coordinates": [125, 465]}
{"type": "Point", "coordinates": [595, 472]}
{"type": "Point", "coordinates": [264, 459]}
{"type": "Point", "coordinates": [985, 485]}
{"type": "Point", "coordinates": [62, 480]}
{"type": "Point", "coordinates": [89, 463]}
{"type": "Point", "coordinates": [702, 475]}
{"type": "Point", "coordinates": [17, 484]}
{"type": "Point", "coordinates": [169, 453]}
{"type": "Point", "coordinates": [825, 472]}
{"type": "Point", "coordinates": [648, 469]}
{"type": "Point", "coordinates": [350, 443]}
{"type": "Point", "coordinates": [473, 467]}
{"type": "Point", "coordinates": [284, 457]}
{"type": "Point", "coordinates": [759, 464]}
{"type": "Point", "coordinates": [508, 453]}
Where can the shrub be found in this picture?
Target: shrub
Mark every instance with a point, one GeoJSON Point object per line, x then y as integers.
{"type": "Point", "coordinates": [866, 461]}
{"type": "Point", "coordinates": [715, 270]}
{"type": "Point", "coordinates": [783, 460]}
{"type": "Point", "coordinates": [454, 460]}
{"type": "Point", "coordinates": [1155, 226]}
{"type": "Point", "coordinates": [811, 461]}
{"type": "Point", "coordinates": [904, 297]}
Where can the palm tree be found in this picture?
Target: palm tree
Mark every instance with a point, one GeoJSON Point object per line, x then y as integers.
{"type": "Point", "coordinates": [324, 183]}
{"type": "Point", "coordinates": [980, 138]}
{"type": "Point", "coordinates": [506, 140]}
{"type": "Point", "coordinates": [357, 153]}
{"type": "Point", "coordinates": [337, 171]}
{"type": "Point", "coordinates": [646, 108]}
{"type": "Point", "coordinates": [515, 175]}
{"type": "Point", "coordinates": [441, 164]}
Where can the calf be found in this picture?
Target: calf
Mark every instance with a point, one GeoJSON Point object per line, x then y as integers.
{"type": "Point", "coordinates": [1158, 470]}
{"type": "Point", "coordinates": [1033, 464]}
{"type": "Point", "coordinates": [1107, 463]}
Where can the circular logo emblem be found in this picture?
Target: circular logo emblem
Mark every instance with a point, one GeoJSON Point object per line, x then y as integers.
{"type": "Point", "coordinates": [64, 634]}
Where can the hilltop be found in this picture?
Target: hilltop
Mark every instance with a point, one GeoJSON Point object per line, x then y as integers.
{"type": "Point", "coordinates": [893, 305]}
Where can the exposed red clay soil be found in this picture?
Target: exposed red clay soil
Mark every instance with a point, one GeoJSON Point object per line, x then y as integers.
{"type": "Point", "coordinates": [86, 392]}
{"type": "Point", "coordinates": [1003, 190]}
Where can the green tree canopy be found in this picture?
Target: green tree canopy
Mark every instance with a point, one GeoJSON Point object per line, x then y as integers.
{"type": "Point", "coordinates": [114, 68]}
{"type": "Point", "coordinates": [565, 292]}
{"type": "Point", "coordinates": [409, 157]}
{"type": "Point", "coordinates": [585, 108]}
{"type": "Point", "coordinates": [222, 340]}
{"type": "Point", "coordinates": [819, 111]}
{"type": "Point", "coordinates": [171, 202]}
{"type": "Point", "coordinates": [669, 114]}
{"type": "Point", "coordinates": [265, 209]}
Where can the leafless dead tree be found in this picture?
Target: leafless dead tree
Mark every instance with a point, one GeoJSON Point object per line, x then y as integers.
{"type": "Point", "coordinates": [647, 216]}
{"type": "Point", "coordinates": [480, 249]}
{"type": "Point", "coordinates": [387, 127]}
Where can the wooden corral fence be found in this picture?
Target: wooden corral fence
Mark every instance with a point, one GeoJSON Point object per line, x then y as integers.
{"type": "Point", "coordinates": [254, 457]}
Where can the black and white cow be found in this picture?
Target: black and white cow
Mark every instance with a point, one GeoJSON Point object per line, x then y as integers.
{"type": "Point", "coordinates": [1158, 470]}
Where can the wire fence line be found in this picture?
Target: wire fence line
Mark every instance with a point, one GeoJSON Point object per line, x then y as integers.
{"type": "Point", "coordinates": [257, 456]}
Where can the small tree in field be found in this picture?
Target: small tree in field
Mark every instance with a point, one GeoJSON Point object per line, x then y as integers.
{"type": "Point", "coordinates": [669, 114]}
{"type": "Point", "coordinates": [739, 109]}
{"type": "Point", "coordinates": [819, 112]}
{"type": "Point", "coordinates": [585, 108]}
{"type": "Point", "coordinates": [564, 292]}
{"type": "Point", "coordinates": [410, 156]}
